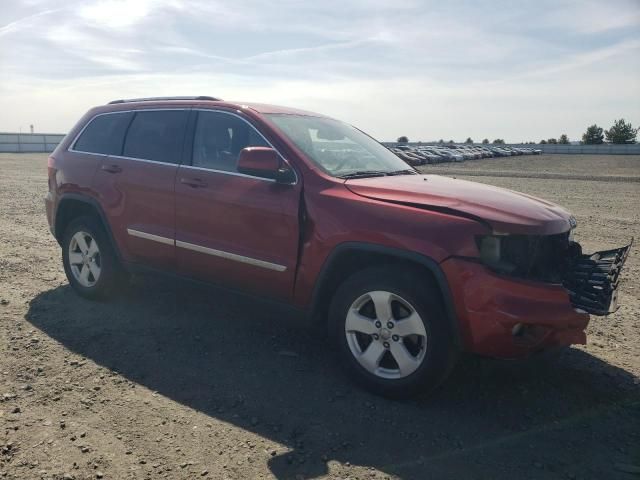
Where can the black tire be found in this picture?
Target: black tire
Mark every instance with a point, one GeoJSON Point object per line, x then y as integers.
{"type": "Point", "coordinates": [111, 275]}
{"type": "Point", "coordinates": [440, 355]}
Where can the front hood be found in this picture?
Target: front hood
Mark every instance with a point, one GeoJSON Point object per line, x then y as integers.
{"type": "Point", "coordinates": [504, 210]}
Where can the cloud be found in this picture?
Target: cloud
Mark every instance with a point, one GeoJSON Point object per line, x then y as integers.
{"type": "Point", "coordinates": [22, 22]}
{"type": "Point", "coordinates": [115, 13]}
{"type": "Point", "coordinates": [423, 68]}
{"type": "Point", "coordinates": [588, 16]}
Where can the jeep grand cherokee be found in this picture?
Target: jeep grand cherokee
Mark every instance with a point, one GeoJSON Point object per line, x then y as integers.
{"type": "Point", "coordinates": [405, 270]}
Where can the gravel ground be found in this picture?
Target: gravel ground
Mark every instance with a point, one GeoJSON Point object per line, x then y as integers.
{"type": "Point", "coordinates": [176, 381]}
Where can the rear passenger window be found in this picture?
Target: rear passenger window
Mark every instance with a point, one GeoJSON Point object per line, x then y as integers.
{"type": "Point", "coordinates": [219, 137]}
{"type": "Point", "coordinates": [104, 134]}
{"type": "Point", "coordinates": [156, 135]}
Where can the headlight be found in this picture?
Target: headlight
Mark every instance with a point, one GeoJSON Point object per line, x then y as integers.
{"type": "Point", "coordinates": [489, 247]}
{"type": "Point", "coordinates": [534, 257]}
{"type": "Point", "coordinates": [491, 252]}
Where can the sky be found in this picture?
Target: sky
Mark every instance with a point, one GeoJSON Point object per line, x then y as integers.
{"type": "Point", "coordinates": [428, 70]}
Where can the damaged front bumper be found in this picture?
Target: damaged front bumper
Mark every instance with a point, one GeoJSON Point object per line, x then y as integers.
{"type": "Point", "coordinates": [507, 317]}
{"type": "Point", "coordinates": [592, 280]}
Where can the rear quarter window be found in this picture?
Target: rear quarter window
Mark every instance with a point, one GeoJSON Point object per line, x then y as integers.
{"type": "Point", "coordinates": [104, 134]}
{"type": "Point", "coordinates": [156, 135]}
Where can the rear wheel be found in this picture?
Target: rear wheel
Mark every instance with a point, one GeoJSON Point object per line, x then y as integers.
{"type": "Point", "coordinates": [391, 332]}
{"type": "Point", "coordinates": [89, 260]}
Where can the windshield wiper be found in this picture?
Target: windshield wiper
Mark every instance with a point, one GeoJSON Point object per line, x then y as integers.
{"type": "Point", "coordinates": [363, 174]}
{"type": "Point", "coordinates": [406, 171]}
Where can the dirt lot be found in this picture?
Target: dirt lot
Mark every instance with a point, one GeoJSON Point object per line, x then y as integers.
{"type": "Point", "coordinates": [176, 381]}
{"type": "Point", "coordinates": [581, 167]}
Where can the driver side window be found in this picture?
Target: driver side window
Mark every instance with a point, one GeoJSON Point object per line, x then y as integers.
{"type": "Point", "coordinates": [219, 138]}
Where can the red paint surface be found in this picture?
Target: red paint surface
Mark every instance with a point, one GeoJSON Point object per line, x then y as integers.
{"type": "Point", "coordinates": [506, 210]}
{"type": "Point", "coordinates": [488, 306]}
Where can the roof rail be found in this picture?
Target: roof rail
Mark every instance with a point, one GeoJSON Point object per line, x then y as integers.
{"type": "Point", "coordinates": [154, 99]}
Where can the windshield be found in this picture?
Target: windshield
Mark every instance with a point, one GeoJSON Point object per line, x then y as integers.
{"type": "Point", "coordinates": [337, 148]}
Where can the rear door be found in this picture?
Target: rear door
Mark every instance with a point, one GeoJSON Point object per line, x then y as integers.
{"type": "Point", "coordinates": [234, 229]}
{"type": "Point", "coordinates": [137, 186]}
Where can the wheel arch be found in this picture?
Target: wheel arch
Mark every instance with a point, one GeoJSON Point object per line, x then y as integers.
{"type": "Point", "coordinates": [349, 257]}
{"type": "Point", "coordinates": [73, 205]}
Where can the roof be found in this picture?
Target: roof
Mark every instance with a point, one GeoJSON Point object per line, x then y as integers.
{"type": "Point", "coordinates": [205, 101]}
{"type": "Point", "coordinates": [267, 108]}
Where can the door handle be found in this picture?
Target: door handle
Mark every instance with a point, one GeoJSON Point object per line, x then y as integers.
{"type": "Point", "coordinates": [111, 168]}
{"type": "Point", "coordinates": [193, 182]}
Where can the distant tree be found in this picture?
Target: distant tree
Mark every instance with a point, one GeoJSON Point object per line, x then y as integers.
{"type": "Point", "coordinates": [468, 140]}
{"type": "Point", "coordinates": [593, 135]}
{"type": "Point", "coordinates": [543, 142]}
{"type": "Point", "coordinates": [485, 141]}
{"type": "Point", "coordinates": [564, 140]}
{"type": "Point", "coordinates": [552, 141]}
{"type": "Point", "coordinates": [621, 132]}
{"type": "Point", "coordinates": [441, 141]}
{"type": "Point", "coordinates": [451, 141]}
{"type": "Point", "coordinates": [403, 139]}
{"type": "Point", "coordinates": [499, 140]}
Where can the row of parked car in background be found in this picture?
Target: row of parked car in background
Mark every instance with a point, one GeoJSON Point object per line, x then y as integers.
{"type": "Point", "coordinates": [422, 154]}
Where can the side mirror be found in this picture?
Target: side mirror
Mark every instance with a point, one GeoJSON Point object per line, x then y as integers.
{"type": "Point", "coordinates": [264, 162]}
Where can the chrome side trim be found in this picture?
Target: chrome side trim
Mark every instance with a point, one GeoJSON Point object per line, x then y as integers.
{"type": "Point", "coordinates": [149, 236]}
{"type": "Point", "coordinates": [176, 165]}
{"type": "Point", "coordinates": [209, 251]}
{"type": "Point", "coordinates": [119, 157]}
{"type": "Point", "coordinates": [227, 172]}
{"type": "Point", "coordinates": [231, 256]}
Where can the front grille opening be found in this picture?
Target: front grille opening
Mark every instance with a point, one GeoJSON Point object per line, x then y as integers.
{"type": "Point", "coordinates": [538, 257]}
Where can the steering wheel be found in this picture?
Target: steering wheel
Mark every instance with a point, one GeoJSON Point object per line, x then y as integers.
{"type": "Point", "coordinates": [341, 160]}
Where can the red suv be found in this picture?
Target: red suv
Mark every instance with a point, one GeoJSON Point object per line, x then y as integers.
{"type": "Point", "coordinates": [406, 270]}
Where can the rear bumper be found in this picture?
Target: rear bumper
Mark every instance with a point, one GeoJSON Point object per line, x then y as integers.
{"type": "Point", "coordinates": [506, 317]}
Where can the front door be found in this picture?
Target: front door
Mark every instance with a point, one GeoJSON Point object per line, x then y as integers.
{"type": "Point", "coordinates": [232, 229]}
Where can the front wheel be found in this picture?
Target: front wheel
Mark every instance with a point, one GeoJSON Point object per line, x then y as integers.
{"type": "Point", "coordinates": [391, 332]}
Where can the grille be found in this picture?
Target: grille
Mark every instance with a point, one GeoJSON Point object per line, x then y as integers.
{"type": "Point", "coordinates": [537, 257]}
{"type": "Point", "coordinates": [592, 280]}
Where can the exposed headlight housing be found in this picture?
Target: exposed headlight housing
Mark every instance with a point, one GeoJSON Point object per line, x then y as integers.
{"type": "Point", "coordinates": [490, 248]}
{"type": "Point", "coordinates": [534, 257]}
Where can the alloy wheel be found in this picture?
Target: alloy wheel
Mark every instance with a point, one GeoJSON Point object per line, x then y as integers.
{"type": "Point", "coordinates": [386, 334]}
{"type": "Point", "coordinates": [84, 259]}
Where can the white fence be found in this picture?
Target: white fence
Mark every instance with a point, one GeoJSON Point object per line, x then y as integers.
{"type": "Point", "coordinates": [29, 142]}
